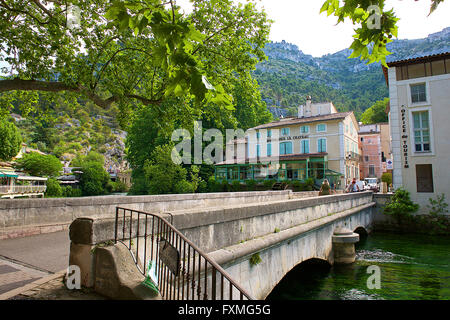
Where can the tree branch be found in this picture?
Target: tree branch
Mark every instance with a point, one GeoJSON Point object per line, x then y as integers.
{"type": "Point", "coordinates": [54, 86]}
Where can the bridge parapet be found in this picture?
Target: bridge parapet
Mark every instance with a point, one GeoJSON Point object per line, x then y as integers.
{"type": "Point", "coordinates": [220, 227]}
{"type": "Point", "coordinates": [231, 234]}
{"type": "Point", "coordinates": [26, 217]}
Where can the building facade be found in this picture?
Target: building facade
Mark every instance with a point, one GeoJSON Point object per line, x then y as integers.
{"type": "Point", "coordinates": [419, 90]}
{"type": "Point", "coordinates": [319, 143]}
{"type": "Point", "coordinates": [373, 163]}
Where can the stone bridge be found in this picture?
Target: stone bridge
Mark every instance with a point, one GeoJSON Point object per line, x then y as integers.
{"type": "Point", "coordinates": [281, 233]}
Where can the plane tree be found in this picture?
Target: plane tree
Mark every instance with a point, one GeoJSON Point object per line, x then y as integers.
{"type": "Point", "coordinates": [129, 53]}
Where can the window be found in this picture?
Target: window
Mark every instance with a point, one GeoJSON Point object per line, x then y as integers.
{"type": "Point", "coordinates": [418, 93]}
{"type": "Point", "coordinates": [424, 178]}
{"type": "Point", "coordinates": [285, 148]}
{"type": "Point", "coordinates": [285, 131]}
{"type": "Point", "coordinates": [269, 149]}
{"type": "Point", "coordinates": [258, 135]}
{"type": "Point", "coordinates": [304, 146]}
{"type": "Point", "coordinates": [366, 158]}
{"type": "Point", "coordinates": [421, 131]}
{"type": "Point", "coordinates": [371, 170]}
{"type": "Point", "coordinates": [269, 133]}
{"type": "Point", "coordinates": [321, 127]}
{"type": "Point", "coordinates": [322, 145]}
{"type": "Point", "coordinates": [304, 129]}
{"type": "Point", "coordinates": [258, 150]}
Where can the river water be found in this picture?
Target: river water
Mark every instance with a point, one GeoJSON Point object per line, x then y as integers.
{"type": "Point", "coordinates": [412, 267]}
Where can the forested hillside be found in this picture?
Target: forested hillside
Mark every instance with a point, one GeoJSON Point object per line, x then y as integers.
{"type": "Point", "coordinates": [67, 127]}
{"type": "Point", "coordinates": [289, 75]}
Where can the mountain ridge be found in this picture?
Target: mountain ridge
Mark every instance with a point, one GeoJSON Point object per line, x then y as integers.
{"type": "Point", "coordinates": [289, 75]}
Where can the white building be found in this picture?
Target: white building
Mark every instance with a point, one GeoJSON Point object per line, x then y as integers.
{"type": "Point", "coordinates": [419, 90]}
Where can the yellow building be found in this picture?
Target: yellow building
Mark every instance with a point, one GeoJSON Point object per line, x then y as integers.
{"type": "Point", "coordinates": [319, 143]}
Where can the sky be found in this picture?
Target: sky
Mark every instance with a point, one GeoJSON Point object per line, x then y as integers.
{"type": "Point", "coordinates": [299, 22]}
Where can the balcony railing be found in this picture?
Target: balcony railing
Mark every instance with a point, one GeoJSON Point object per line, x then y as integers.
{"type": "Point", "coordinates": [21, 189]}
{"type": "Point", "coordinates": [350, 155]}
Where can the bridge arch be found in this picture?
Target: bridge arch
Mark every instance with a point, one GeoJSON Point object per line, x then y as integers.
{"type": "Point", "coordinates": [362, 231]}
{"type": "Point", "coordinates": [299, 279]}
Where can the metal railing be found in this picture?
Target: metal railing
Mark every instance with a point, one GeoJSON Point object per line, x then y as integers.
{"type": "Point", "coordinates": [22, 189]}
{"type": "Point", "coordinates": [183, 271]}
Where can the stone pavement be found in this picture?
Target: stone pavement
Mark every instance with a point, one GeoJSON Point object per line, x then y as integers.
{"type": "Point", "coordinates": [50, 288]}
{"type": "Point", "coordinates": [25, 260]}
{"type": "Point", "coordinates": [13, 275]}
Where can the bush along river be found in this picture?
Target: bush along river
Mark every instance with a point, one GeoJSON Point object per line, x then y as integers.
{"type": "Point", "coordinates": [412, 267]}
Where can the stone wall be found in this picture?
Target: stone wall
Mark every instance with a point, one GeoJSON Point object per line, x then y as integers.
{"type": "Point", "coordinates": [25, 217]}
{"type": "Point", "coordinates": [216, 228]}
{"type": "Point", "coordinates": [420, 222]}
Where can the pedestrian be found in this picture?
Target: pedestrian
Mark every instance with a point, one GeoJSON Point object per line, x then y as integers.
{"type": "Point", "coordinates": [353, 187]}
{"type": "Point", "coordinates": [325, 189]}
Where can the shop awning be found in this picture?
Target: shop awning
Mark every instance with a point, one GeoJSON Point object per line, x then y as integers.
{"type": "Point", "coordinates": [30, 178]}
{"type": "Point", "coordinates": [7, 174]}
{"type": "Point", "coordinates": [329, 172]}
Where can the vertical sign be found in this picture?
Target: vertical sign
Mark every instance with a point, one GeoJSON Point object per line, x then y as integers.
{"type": "Point", "coordinates": [404, 138]}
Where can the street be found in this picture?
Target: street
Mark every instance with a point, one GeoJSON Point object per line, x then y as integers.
{"type": "Point", "coordinates": [24, 260]}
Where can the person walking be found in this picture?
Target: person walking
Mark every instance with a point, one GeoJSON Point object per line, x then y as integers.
{"type": "Point", "coordinates": [325, 189]}
{"type": "Point", "coordinates": [353, 187]}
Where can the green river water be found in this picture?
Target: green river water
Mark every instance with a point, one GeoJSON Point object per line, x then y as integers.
{"type": "Point", "coordinates": [413, 267]}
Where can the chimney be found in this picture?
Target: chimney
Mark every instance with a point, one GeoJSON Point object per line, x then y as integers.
{"type": "Point", "coordinates": [308, 111]}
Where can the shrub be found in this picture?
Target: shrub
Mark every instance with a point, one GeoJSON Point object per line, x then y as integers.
{"type": "Point", "coordinates": [225, 186]}
{"type": "Point", "coordinates": [251, 185]}
{"type": "Point", "coordinates": [184, 186]}
{"type": "Point", "coordinates": [213, 185]}
{"type": "Point", "coordinates": [53, 188]}
{"type": "Point", "coordinates": [202, 187]}
{"type": "Point", "coordinates": [119, 186]}
{"type": "Point", "coordinates": [309, 184]}
{"type": "Point", "coordinates": [69, 192]}
{"type": "Point", "coordinates": [400, 206]}
{"type": "Point", "coordinates": [255, 259]}
{"type": "Point", "coordinates": [268, 184]}
{"type": "Point", "coordinates": [387, 177]}
{"type": "Point", "coordinates": [236, 186]}
{"type": "Point", "coordinates": [297, 185]}
{"type": "Point", "coordinates": [438, 206]}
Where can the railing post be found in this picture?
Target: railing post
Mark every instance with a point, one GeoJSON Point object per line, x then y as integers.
{"type": "Point", "coordinates": [117, 224]}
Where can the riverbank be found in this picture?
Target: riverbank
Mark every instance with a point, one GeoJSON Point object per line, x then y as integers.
{"type": "Point", "coordinates": [425, 224]}
{"type": "Point", "coordinates": [419, 224]}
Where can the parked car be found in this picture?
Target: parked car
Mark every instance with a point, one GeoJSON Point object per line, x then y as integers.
{"type": "Point", "coordinates": [361, 185]}
{"type": "Point", "coordinates": [371, 184]}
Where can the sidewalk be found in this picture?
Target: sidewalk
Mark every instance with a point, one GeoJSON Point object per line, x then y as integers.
{"type": "Point", "coordinates": [50, 288]}
{"type": "Point", "coordinates": [14, 275]}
